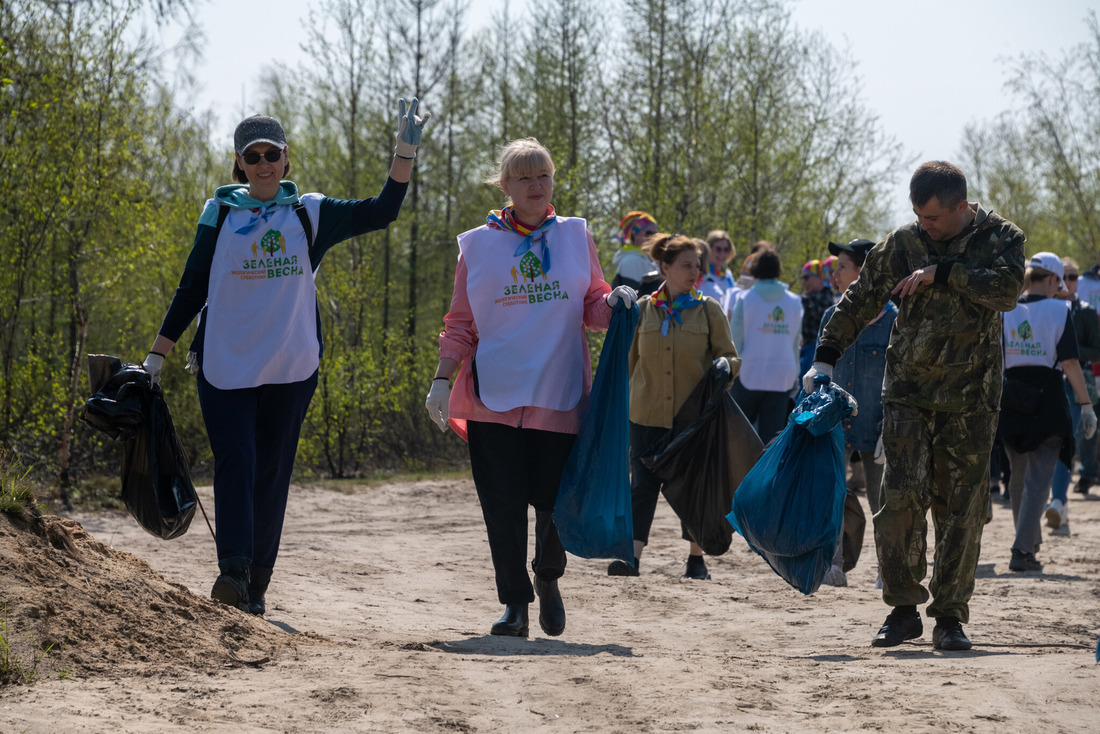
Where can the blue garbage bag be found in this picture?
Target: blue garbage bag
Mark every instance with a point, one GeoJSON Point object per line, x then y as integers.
{"type": "Point", "coordinates": [593, 513]}
{"type": "Point", "coordinates": [790, 506]}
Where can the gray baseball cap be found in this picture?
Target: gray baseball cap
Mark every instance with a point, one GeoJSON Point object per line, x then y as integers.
{"type": "Point", "coordinates": [258, 129]}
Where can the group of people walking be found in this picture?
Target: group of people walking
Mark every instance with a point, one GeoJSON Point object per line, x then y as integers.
{"type": "Point", "coordinates": [928, 321]}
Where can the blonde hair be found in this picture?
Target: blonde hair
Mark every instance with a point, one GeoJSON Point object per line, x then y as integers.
{"type": "Point", "coordinates": [519, 158]}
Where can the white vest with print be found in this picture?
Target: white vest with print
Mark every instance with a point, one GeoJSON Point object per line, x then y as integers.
{"type": "Point", "coordinates": [1032, 331]}
{"type": "Point", "coordinates": [530, 349]}
{"type": "Point", "coordinates": [771, 327]}
{"type": "Point", "coordinates": [261, 320]}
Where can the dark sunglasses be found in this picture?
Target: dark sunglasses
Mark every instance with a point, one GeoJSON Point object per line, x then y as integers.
{"type": "Point", "coordinates": [251, 157]}
{"type": "Point", "coordinates": [1071, 277]}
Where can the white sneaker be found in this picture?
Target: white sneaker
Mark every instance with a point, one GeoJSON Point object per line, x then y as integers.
{"type": "Point", "coordinates": [835, 577]}
{"type": "Point", "coordinates": [1056, 514]}
{"type": "Point", "coordinates": [1062, 531]}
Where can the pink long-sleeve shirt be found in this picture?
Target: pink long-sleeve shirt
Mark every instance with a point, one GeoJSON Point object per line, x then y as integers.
{"type": "Point", "coordinates": [458, 341]}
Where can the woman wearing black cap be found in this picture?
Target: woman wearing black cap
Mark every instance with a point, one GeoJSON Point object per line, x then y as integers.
{"type": "Point", "coordinates": [251, 274]}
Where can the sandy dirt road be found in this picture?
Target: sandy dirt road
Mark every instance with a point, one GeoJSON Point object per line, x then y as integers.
{"type": "Point", "coordinates": [395, 586]}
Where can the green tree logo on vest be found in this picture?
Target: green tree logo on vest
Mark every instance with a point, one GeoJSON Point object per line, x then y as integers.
{"type": "Point", "coordinates": [776, 322]}
{"type": "Point", "coordinates": [1025, 331]}
{"type": "Point", "coordinates": [531, 267]}
{"type": "Point", "coordinates": [271, 242]}
{"type": "Point", "coordinates": [264, 257]}
{"type": "Point", "coordinates": [1021, 344]}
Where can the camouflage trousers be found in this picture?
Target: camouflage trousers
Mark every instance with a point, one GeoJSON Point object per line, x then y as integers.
{"type": "Point", "coordinates": [940, 462]}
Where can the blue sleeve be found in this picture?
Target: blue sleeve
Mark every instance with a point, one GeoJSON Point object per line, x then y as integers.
{"type": "Point", "coordinates": [342, 219]}
{"type": "Point", "coordinates": [191, 293]}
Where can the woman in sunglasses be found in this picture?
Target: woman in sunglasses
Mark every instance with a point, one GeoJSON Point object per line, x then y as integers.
{"type": "Point", "coordinates": [718, 282]}
{"type": "Point", "coordinates": [257, 349]}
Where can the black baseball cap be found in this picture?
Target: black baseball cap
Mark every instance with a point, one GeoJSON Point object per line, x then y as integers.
{"type": "Point", "coordinates": [858, 247]}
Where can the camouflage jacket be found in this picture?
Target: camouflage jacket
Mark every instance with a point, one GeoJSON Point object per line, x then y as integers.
{"type": "Point", "coordinates": [945, 348]}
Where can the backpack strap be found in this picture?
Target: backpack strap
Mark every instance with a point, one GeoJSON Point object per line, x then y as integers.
{"type": "Point", "coordinates": [303, 217]}
{"type": "Point", "coordinates": [223, 212]}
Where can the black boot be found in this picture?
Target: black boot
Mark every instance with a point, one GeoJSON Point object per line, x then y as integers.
{"type": "Point", "coordinates": [258, 579]}
{"type": "Point", "coordinates": [551, 608]}
{"type": "Point", "coordinates": [514, 622]}
{"type": "Point", "coordinates": [231, 588]}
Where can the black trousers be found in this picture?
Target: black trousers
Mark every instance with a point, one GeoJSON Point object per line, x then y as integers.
{"type": "Point", "coordinates": [514, 468]}
{"type": "Point", "coordinates": [645, 486]}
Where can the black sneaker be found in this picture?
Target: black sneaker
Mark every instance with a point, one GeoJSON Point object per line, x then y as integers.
{"type": "Point", "coordinates": [948, 635]}
{"type": "Point", "coordinates": [1083, 485]}
{"type": "Point", "coordinates": [622, 568]}
{"type": "Point", "coordinates": [696, 569]}
{"type": "Point", "coordinates": [1024, 562]}
{"type": "Point", "coordinates": [901, 624]}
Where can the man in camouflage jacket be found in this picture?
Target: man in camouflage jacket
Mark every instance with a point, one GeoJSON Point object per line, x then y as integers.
{"type": "Point", "coordinates": [955, 270]}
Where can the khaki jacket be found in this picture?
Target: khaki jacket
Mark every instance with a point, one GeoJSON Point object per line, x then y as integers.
{"type": "Point", "coordinates": [665, 369]}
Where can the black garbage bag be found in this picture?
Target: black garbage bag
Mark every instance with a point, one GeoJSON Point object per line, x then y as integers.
{"type": "Point", "coordinates": [710, 449]}
{"type": "Point", "coordinates": [117, 401]}
{"type": "Point", "coordinates": [156, 483]}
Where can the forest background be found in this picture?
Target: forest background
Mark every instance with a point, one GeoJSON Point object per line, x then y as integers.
{"type": "Point", "coordinates": [707, 113]}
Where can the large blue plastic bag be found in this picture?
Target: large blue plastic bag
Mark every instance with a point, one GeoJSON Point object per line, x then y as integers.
{"type": "Point", "coordinates": [593, 513]}
{"type": "Point", "coordinates": [790, 506]}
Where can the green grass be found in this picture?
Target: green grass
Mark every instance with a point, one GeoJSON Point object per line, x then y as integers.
{"type": "Point", "coordinates": [16, 492]}
{"type": "Point", "coordinates": [22, 668]}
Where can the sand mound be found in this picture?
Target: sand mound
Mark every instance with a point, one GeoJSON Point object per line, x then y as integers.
{"type": "Point", "coordinates": [108, 613]}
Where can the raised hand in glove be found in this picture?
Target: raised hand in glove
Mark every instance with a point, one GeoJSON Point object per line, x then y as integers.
{"type": "Point", "coordinates": [437, 403]}
{"type": "Point", "coordinates": [409, 128]}
{"type": "Point", "coordinates": [623, 293]}
{"type": "Point", "coordinates": [1088, 422]}
{"type": "Point", "coordinates": [818, 368]}
{"type": "Point", "coordinates": [155, 362]}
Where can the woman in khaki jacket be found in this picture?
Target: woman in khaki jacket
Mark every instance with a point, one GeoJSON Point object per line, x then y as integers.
{"type": "Point", "coordinates": [680, 333]}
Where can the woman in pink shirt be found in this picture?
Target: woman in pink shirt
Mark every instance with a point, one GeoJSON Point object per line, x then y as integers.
{"type": "Point", "coordinates": [527, 284]}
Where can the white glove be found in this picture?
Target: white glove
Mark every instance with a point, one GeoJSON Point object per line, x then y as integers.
{"type": "Point", "coordinates": [437, 403]}
{"type": "Point", "coordinates": [818, 368]}
{"type": "Point", "coordinates": [1088, 422]}
{"type": "Point", "coordinates": [880, 452]}
{"type": "Point", "coordinates": [155, 362]}
{"type": "Point", "coordinates": [622, 293]}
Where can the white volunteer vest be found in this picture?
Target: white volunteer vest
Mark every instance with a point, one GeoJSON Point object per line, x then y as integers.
{"type": "Point", "coordinates": [1032, 331]}
{"type": "Point", "coordinates": [529, 323]}
{"type": "Point", "coordinates": [768, 361]}
{"type": "Point", "coordinates": [261, 319]}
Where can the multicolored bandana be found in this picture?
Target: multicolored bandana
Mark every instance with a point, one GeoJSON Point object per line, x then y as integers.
{"type": "Point", "coordinates": [631, 224]}
{"type": "Point", "coordinates": [505, 219]}
{"type": "Point", "coordinates": [723, 274]}
{"type": "Point", "coordinates": [672, 310]}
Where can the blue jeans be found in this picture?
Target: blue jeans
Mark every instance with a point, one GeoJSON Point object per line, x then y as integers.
{"type": "Point", "coordinates": [1086, 452]}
